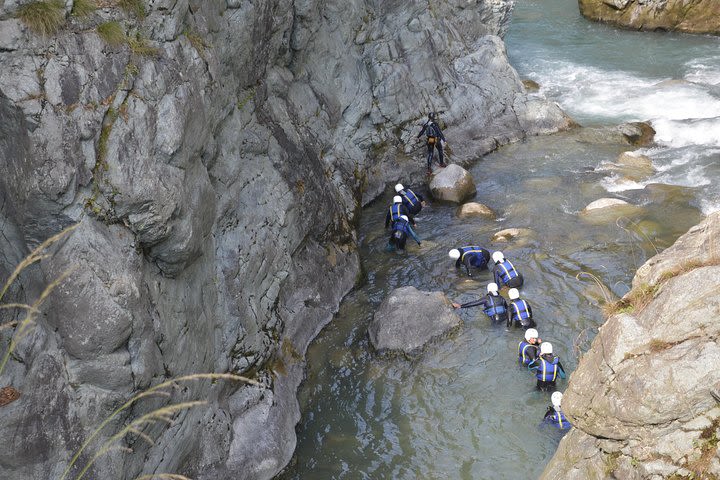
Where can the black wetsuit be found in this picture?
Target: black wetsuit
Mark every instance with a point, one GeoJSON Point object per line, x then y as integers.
{"type": "Point", "coordinates": [434, 137]}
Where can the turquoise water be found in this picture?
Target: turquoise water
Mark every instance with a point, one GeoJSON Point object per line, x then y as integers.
{"type": "Point", "coordinates": [464, 409]}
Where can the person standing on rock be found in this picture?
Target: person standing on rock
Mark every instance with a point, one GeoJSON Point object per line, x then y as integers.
{"type": "Point", "coordinates": [494, 305]}
{"type": "Point", "coordinates": [505, 273]}
{"type": "Point", "coordinates": [554, 414]}
{"type": "Point", "coordinates": [547, 368]}
{"type": "Point", "coordinates": [520, 311]}
{"type": "Point", "coordinates": [414, 202]}
{"type": "Point", "coordinates": [474, 256]}
{"type": "Point", "coordinates": [396, 210]}
{"type": "Point", "coordinates": [400, 231]}
{"type": "Point", "coordinates": [528, 348]}
{"type": "Point", "coordinates": [434, 139]}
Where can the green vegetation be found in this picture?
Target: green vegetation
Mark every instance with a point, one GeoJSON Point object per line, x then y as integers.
{"type": "Point", "coordinates": [140, 46]}
{"type": "Point", "coordinates": [43, 17]}
{"type": "Point", "coordinates": [83, 8]}
{"type": "Point", "coordinates": [112, 33]}
{"type": "Point", "coordinates": [196, 41]}
{"type": "Point", "coordinates": [135, 7]}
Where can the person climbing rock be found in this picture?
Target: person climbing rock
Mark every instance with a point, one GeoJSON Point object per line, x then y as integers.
{"type": "Point", "coordinates": [400, 231]}
{"type": "Point", "coordinates": [395, 211]}
{"type": "Point", "coordinates": [528, 348]}
{"type": "Point", "coordinates": [493, 304]}
{"type": "Point", "coordinates": [520, 311]}
{"type": "Point", "coordinates": [554, 414]}
{"type": "Point", "coordinates": [547, 367]}
{"type": "Point", "coordinates": [474, 256]}
{"type": "Point", "coordinates": [434, 139]}
{"type": "Point", "coordinates": [414, 202]}
{"type": "Point", "coordinates": [505, 273]}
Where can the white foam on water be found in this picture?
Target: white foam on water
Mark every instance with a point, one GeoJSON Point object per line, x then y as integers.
{"type": "Point", "coordinates": [704, 70]}
{"type": "Point", "coordinates": [614, 184]}
{"type": "Point", "coordinates": [681, 133]}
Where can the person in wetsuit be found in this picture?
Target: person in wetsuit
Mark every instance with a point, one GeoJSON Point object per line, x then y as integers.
{"type": "Point", "coordinates": [395, 211]}
{"type": "Point", "coordinates": [470, 256]}
{"type": "Point", "coordinates": [520, 311]}
{"type": "Point", "coordinates": [414, 202]}
{"type": "Point", "coordinates": [529, 349]}
{"type": "Point", "coordinates": [547, 368]}
{"type": "Point", "coordinates": [505, 273]}
{"type": "Point", "coordinates": [493, 304]}
{"type": "Point", "coordinates": [554, 414]}
{"type": "Point", "coordinates": [399, 234]}
{"type": "Point", "coordinates": [434, 139]}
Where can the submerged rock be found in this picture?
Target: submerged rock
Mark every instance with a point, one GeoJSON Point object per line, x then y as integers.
{"type": "Point", "coordinates": [632, 167]}
{"type": "Point", "coordinates": [453, 184]}
{"type": "Point", "coordinates": [604, 203]}
{"type": "Point", "coordinates": [644, 398]}
{"type": "Point", "coordinates": [409, 318]}
{"type": "Point", "coordinates": [698, 16]}
{"type": "Point", "coordinates": [531, 85]}
{"type": "Point", "coordinates": [511, 233]}
{"type": "Point", "coordinates": [638, 134]}
{"type": "Point", "coordinates": [474, 209]}
{"type": "Point", "coordinates": [608, 210]}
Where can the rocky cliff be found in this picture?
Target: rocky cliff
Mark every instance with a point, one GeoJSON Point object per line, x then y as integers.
{"type": "Point", "coordinates": [215, 154]}
{"type": "Point", "coordinates": [644, 399]}
{"type": "Point", "coordinates": [691, 16]}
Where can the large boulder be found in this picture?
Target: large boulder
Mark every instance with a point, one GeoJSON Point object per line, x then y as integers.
{"type": "Point", "coordinates": [508, 234]}
{"type": "Point", "coordinates": [697, 16]}
{"type": "Point", "coordinates": [409, 318]}
{"type": "Point", "coordinates": [453, 184]}
{"type": "Point", "coordinates": [608, 210]}
{"type": "Point", "coordinates": [644, 398]}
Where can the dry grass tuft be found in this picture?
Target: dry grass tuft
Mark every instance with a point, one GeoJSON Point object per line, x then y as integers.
{"type": "Point", "coordinates": [43, 17]}
{"type": "Point", "coordinates": [112, 33]}
{"type": "Point", "coordinates": [83, 8]}
{"type": "Point", "coordinates": [140, 46]}
{"type": "Point", "coordinates": [135, 7]}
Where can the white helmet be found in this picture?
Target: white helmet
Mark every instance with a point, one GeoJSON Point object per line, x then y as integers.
{"type": "Point", "coordinates": [399, 188]}
{"type": "Point", "coordinates": [397, 199]}
{"type": "Point", "coordinates": [545, 347]}
{"type": "Point", "coordinates": [513, 293]}
{"type": "Point", "coordinates": [404, 217]}
{"type": "Point", "coordinates": [454, 253]}
{"type": "Point", "coordinates": [498, 257]}
{"type": "Point", "coordinates": [492, 287]}
{"type": "Point", "coordinates": [531, 333]}
{"type": "Point", "coordinates": [556, 398]}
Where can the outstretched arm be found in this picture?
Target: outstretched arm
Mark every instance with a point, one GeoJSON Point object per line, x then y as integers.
{"type": "Point", "coordinates": [387, 220]}
{"type": "Point", "coordinates": [422, 130]}
{"type": "Point", "coordinates": [413, 235]}
{"type": "Point", "coordinates": [466, 262]}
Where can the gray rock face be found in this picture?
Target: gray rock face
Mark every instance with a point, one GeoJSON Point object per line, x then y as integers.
{"type": "Point", "coordinates": [409, 318]}
{"type": "Point", "coordinates": [642, 399]}
{"type": "Point", "coordinates": [215, 159]}
{"type": "Point", "coordinates": [452, 184]}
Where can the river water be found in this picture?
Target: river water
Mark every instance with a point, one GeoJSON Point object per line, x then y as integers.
{"type": "Point", "coordinates": [464, 409]}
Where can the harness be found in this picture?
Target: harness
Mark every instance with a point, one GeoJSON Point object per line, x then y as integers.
{"type": "Point", "coordinates": [432, 134]}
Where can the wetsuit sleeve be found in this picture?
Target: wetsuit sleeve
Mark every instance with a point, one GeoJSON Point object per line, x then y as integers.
{"type": "Point", "coordinates": [440, 132]}
{"type": "Point", "coordinates": [458, 263]}
{"type": "Point", "coordinates": [533, 365]}
{"type": "Point", "coordinates": [482, 302]}
{"type": "Point", "coordinates": [549, 413]}
{"type": "Point", "coordinates": [561, 370]}
{"type": "Point", "coordinates": [413, 235]}
{"type": "Point", "coordinates": [496, 275]}
{"type": "Point", "coordinates": [387, 220]}
{"type": "Point", "coordinates": [422, 130]}
{"type": "Point", "coordinates": [529, 309]}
